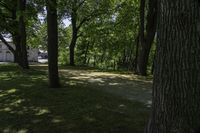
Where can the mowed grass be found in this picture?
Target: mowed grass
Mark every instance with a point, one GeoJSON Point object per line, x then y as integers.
{"type": "Point", "coordinates": [27, 105]}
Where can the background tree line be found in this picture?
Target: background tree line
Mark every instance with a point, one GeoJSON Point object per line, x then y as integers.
{"type": "Point", "coordinates": [107, 34]}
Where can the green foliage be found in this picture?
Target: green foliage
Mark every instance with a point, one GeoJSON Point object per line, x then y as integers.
{"type": "Point", "coordinates": [110, 37]}
{"type": "Point", "coordinates": [107, 30]}
{"type": "Point", "coordinates": [38, 37]}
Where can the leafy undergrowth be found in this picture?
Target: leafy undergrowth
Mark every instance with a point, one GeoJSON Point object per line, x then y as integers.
{"type": "Point", "coordinates": [27, 105]}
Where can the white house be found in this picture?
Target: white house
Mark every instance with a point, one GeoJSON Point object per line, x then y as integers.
{"type": "Point", "coordinates": [7, 56]}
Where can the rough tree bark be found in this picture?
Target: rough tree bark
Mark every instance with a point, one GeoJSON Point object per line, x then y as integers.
{"type": "Point", "coordinates": [15, 34]}
{"type": "Point", "coordinates": [52, 31]}
{"type": "Point", "coordinates": [22, 32]}
{"type": "Point", "coordinates": [146, 41]}
{"type": "Point", "coordinates": [17, 54]}
{"type": "Point", "coordinates": [176, 88]}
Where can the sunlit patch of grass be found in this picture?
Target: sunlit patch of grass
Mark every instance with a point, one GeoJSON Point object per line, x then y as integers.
{"type": "Point", "coordinates": [8, 130]}
{"type": "Point", "coordinates": [27, 105]}
{"type": "Point", "coordinates": [7, 92]}
{"type": "Point", "coordinates": [41, 111]}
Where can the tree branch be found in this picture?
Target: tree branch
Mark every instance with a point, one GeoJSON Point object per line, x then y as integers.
{"type": "Point", "coordinates": [88, 18]}
{"type": "Point", "coordinates": [82, 22]}
{"type": "Point", "coordinates": [81, 3]}
{"type": "Point", "coordinates": [5, 6]}
{"type": "Point", "coordinates": [6, 43]}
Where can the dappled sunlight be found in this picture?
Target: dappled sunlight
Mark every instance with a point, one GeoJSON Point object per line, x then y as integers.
{"type": "Point", "coordinates": [12, 102]}
{"type": "Point", "coordinates": [98, 80]}
{"type": "Point", "coordinates": [113, 84]}
{"type": "Point", "coordinates": [26, 85]}
{"type": "Point", "coordinates": [17, 102]}
{"type": "Point", "coordinates": [28, 105]}
{"type": "Point", "coordinates": [7, 109]}
{"type": "Point", "coordinates": [4, 93]}
{"type": "Point", "coordinates": [41, 111]}
{"type": "Point", "coordinates": [88, 74]}
{"type": "Point", "coordinates": [10, 130]}
{"type": "Point", "coordinates": [148, 103]}
{"type": "Point", "coordinates": [129, 86]}
{"type": "Point", "coordinates": [57, 119]}
{"type": "Point", "coordinates": [10, 91]}
{"type": "Point", "coordinates": [75, 82]}
{"type": "Point", "coordinates": [89, 119]}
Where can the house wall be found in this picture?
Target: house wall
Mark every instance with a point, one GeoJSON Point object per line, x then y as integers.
{"type": "Point", "coordinates": [7, 56]}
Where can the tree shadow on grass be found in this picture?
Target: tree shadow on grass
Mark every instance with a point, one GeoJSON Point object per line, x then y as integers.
{"type": "Point", "coordinates": [131, 87]}
{"type": "Point", "coordinates": [28, 105]}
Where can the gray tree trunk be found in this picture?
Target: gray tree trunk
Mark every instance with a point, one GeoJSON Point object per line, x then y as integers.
{"type": "Point", "coordinates": [22, 33]}
{"type": "Point", "coordinates": [15, 34]}
{"type": "Point", "coordinates": [52, 27]}
{"type": "Point", "coordinates": [176, 88]}
{"type": "Point", "coordinates": [146, 41]}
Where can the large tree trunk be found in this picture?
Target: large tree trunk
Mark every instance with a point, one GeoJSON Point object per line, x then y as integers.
{"type": "Point", "coordinates": [52, 26]}
{"type": "Point", "coordinates": [22, 32]}
{"type": "Point", "coordinates": [146, 41]}
{"type": "Point", "coordinates": [176, 88]}
{"type": "Point", "coordinates": [17, 54]}
{"type": "Point", "coordinates": [15, 34]}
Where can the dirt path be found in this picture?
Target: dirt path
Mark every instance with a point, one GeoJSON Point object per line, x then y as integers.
{"type": "Point", "coordinates": [128, 86]}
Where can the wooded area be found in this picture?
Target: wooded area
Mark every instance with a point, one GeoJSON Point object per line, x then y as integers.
{"type": "Point", "coordinates": [141, 37]}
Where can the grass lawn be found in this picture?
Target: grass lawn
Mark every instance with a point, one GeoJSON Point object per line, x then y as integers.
{"type": "Point", "coordinates": [27, 105]}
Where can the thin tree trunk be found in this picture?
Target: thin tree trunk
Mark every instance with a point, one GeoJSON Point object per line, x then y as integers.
{"type": "Point", "coordinates": [94, 63]}
{"type": "Point", "coordinates": [176, 88]}
{"type": "Point", "coordinates": [153, 64]}
{"type": "Point", "coordinates": [52, 30]}
{"type": "Point", "coordinates": [88, 61]}
{"type": "Point", "coordinates": [142, 18]}
{"type": "Point", "coordinates": [86, 53]}
{"type": "Point", "coordinates": [74, 38]}
{"type": "Point", "coordinates": [72, 50]}
{"type": "Point", "coordinates": [136, 54]}
{"type": "Point", "coordinates": [147, 41]}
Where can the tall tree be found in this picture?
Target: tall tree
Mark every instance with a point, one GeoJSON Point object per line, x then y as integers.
{"type": "Point", "coordinates": [52, 31]}
{"type": "Point", "coordinates": [16, 16]}
{"type": "Point", "coordinates": [10, 25]}
{"type": "Point", "coordinates": [146, 40]}
{"type": "Point", "coordinates": [15, 33]}
{"type": "Point", "coordinates": [80, 12]}
{"type": "Point", "coordinates": [176, 88]}
{"type": "Point", "coordinates": [22, 33]}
